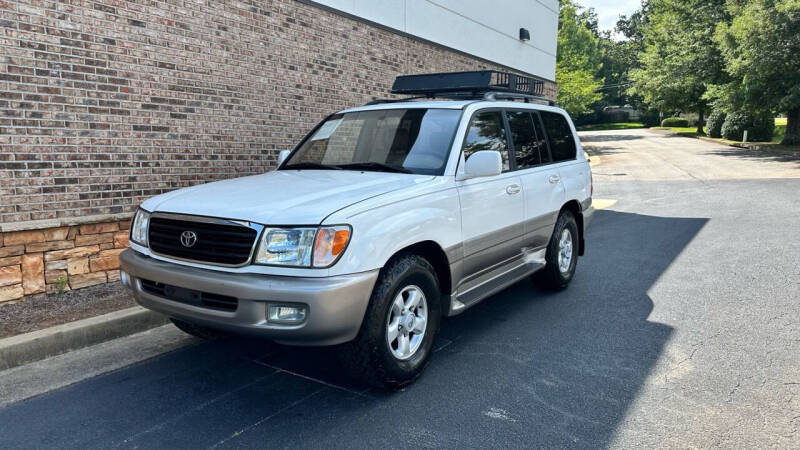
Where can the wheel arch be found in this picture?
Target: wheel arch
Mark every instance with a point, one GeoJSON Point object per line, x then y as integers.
{"type": "Point", "coordinates": [574, 207]}
{"type": "Point", "coordinates": [437, 257]}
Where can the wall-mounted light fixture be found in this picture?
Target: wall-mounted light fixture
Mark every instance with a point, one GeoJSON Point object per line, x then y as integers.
{"type": "Point", "coordinates": [524, 35]}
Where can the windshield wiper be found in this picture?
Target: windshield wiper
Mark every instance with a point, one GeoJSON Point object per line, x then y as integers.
{"type": "Point", "coordinates": [310, 166]}
{"type": "Point", "coordinates": [374, 166]}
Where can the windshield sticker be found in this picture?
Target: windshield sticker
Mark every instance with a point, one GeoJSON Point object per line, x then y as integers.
{"type": "Point", "coordinates": [326, 130]}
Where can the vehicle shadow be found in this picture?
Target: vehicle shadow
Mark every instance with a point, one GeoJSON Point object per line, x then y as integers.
{"type": "Point", "coordinates": [525, 368]}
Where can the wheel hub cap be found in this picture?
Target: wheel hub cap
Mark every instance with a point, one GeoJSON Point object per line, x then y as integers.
{"type": "Point", "coordinates": [406, 322]}
{"type": "Point", "coordinates": [565, 251]}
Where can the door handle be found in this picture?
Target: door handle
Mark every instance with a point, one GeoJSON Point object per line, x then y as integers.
{"type": "Point", "coordinates": [513, 189]}
{"type": "Point", "coordinates": [554, 179]}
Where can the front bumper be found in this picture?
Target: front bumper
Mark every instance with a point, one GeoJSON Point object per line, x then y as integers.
{"type": "Point", "coordinates": [335, 305]}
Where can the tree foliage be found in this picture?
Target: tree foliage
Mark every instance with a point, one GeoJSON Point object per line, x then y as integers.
{"type": "Point", "coordinates": [761, 49]}
{"type": "Point", "coordinates": [680, 58]}
{"type": "Point", "coordinates": [579, 59]}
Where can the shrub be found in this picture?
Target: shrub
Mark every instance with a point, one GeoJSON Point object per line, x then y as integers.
{"type": "Point", "coordinates": [763, 127]}
{"type": "Point", "coordinates": [714, 123]}
{"type": "Point", "coordinates": [675, 122]}
{"type": "Point", "coordinates": [760, 126]}
{"type": "Point", "coordinates": [650, 118]}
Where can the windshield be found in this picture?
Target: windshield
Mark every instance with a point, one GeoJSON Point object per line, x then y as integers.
{"type": "Point", "coordinates": [414, 140]}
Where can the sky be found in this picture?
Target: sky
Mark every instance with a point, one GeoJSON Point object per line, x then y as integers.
{"type": "Point", "coordinates": [608, 11]}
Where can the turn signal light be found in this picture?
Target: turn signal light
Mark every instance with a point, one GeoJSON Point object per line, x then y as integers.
{"type": "Point", "coordinates": [330, 244]}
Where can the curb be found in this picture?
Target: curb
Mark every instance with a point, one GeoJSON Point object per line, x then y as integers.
{"type": "Point", "coordinates": [37, 345]}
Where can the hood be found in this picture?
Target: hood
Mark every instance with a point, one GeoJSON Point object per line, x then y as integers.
{"type": "Point", "coordinates": [285, 197]}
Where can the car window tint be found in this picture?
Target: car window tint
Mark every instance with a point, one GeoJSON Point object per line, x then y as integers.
{"type": "Point", "coordinates": [541, 138]}
{"type": "Point", "coordinates": [487, 132]}
{"type": "Point", "coordinates": [559, 134]}
{"type": "Point", "coordinates": [526, 147]}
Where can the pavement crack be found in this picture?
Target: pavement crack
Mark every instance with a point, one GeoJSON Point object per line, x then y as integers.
{"type": "Point", "coordinates": [191, 410]}
{"type": "Point", "coordinates": [266, 418]}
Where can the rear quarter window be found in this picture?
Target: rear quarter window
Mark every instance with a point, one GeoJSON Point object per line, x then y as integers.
{"type": "Point", "coordinates": [559, 134]}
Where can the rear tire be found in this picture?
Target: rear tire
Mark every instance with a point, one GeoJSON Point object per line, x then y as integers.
{"type": "Point", "coordinates": [562, 255]}
{"type": "Point", "coordinates": [385, 354]}
{"type": "Point", "coordinates": [199, 331]}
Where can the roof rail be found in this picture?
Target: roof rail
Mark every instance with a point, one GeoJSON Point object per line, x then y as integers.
{"type": "Point", "coordinates": [380, 101]}
{"type": "Point", "coordinates": [494, 96]}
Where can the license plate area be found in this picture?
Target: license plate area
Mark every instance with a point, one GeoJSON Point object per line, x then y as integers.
{"type": "Point", "coordinates": [183, 295]}
{"type": "Point", "coordinates": [190, 296]}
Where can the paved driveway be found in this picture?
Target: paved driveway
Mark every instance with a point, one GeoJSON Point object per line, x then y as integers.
{"type": "Point", "coordinates": [681, 329]}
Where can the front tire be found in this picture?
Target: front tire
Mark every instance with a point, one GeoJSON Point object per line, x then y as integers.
{"type": "Point", "coordinates": [396, 337]}
{"type": "Point", "coordinates": [562, 255]}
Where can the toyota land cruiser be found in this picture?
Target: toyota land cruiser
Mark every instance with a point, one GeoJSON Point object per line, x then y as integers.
{"type": "Point", "coordinates": [383, 219]}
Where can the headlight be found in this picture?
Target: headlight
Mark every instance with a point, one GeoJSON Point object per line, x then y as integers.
{"type": "Point", "coordinates": [302, 247]}
{"type": "Point", "coordinates": [286, 246]}
{"type": "Point", "coordinates": [141, 221]}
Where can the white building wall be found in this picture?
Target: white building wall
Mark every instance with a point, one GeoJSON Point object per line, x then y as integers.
{"type": "Point", "coordinates": [488, 29]}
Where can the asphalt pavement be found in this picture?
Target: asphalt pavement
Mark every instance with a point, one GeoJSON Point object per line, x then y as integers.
{"type": "Point", "coordinates": [681, 329]}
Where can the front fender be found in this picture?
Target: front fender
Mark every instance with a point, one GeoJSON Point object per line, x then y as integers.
{"type": "Point", "coordinates": [380, 232]}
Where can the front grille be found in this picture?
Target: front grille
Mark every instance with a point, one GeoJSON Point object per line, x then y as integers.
{"type": "Point", "coordinates": [190, 296]}
{"type": "Point", "coordinates": [216, 243]}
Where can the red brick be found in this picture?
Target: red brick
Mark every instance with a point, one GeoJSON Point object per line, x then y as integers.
{"type": "Point", "coordinates": [164, 134]}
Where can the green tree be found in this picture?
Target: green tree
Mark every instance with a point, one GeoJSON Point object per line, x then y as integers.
{"type": "Point", "coordinates": [762, 49]}
{"type": "Point", "coordinates": [680, 57]}
{"type": "Point", "coordinates": [578, 61]}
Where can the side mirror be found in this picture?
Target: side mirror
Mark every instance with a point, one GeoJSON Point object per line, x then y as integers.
{"type": "Point", "coordinates": [485, 163]}
{"type": "Point", "coordinates": [282, 157]}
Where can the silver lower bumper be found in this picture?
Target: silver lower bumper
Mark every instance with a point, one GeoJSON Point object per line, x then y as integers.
{"type": "Point", "coordinates": [335, 305]}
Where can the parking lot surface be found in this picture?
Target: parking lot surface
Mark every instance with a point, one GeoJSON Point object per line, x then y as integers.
{"type": "Point", "coordinates": [681, 329]}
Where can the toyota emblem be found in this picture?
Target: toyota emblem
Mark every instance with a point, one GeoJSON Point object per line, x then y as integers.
{"type": "Point", "coordinates": [188, 238]}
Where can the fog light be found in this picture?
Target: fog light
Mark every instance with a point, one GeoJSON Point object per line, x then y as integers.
{"type": "Point", "coordinates": [126, 280]}
{"type": "Point", "coordinates": [287, 314]}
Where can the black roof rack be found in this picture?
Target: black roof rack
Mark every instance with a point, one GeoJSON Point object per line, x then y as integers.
{"type": "Point", "coordinates": [475, 85]}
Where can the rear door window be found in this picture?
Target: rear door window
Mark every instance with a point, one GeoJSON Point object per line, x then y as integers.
{"type": "Point", "coordinates": [559, 134]}
{"type": "Point", "coordinates": [487, 132]}
{"type": "Point", "coordinates": [523, 135]}
{"type": "Point", "coordinates": [541, 137]}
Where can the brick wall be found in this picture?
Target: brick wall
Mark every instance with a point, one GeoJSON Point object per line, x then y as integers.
{"type": "Point", "coordinates": [60, 258]}
{"type": "Point", "coordinates": [104, 103]}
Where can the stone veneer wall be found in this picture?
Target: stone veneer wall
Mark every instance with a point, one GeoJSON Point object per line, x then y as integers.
{"type": "Point", "coordinates": [32, 261]}
{"type": "Point", "coordinates": [104, 103]}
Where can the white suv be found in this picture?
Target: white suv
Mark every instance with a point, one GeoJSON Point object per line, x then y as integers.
{"type": "Point", "coordinates": [382, 220]}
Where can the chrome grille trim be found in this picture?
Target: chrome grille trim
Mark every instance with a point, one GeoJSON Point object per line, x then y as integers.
{"type": "Point", "coordinates": [258, 228]}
